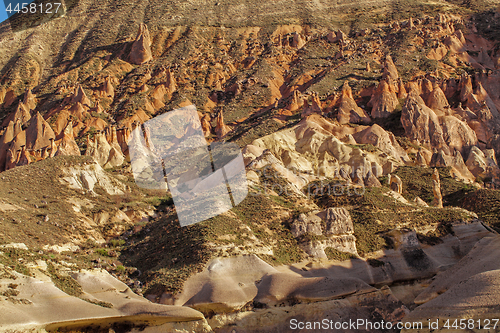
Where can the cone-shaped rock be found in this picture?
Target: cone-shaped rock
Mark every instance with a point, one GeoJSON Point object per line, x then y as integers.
{"type": "Point", "coordinates": [436, 190]}
{"type": "Point", "coordinates": [421, 123]}
{"type": "Point", "coordinates": [437, 100]}
{"type": "Point", "coordinates": [68, 144]}
{"type": "Point", "coordinates": [141, 48]}
{"type": "Point", "coordinates": [390, 70]}
{"type": "Point", "coordinates": [79, 96]}
{"type": "Point", "coordinates": [206, 127]}
{"type": "Point", "coordinates": [384, 100]}
{"type": "Point", "coordinates": [29, 100]}
{"type": "Point", "coordinates": [99, 149]}
{"type": "Point", "coordinates": [349, 111]}
{"type": "Point", "coordinates": [107, 89]}
{"type": "Point", "coordinates": [39, 133]}
{"type": "Point", "coordinates": [22, 114]}
{"type": "Point", "coordinates": [7, 137]}
{"type": "Point", "coordinates": [221, 129]}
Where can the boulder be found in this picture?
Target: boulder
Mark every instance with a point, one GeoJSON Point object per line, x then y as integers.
{"type": "Point", "coordinates": [479, 164]}
{"type": "Point", "coordinates": [338, 36]}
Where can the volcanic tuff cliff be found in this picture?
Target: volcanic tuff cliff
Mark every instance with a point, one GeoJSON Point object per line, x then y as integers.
{"type": "Point", "coordinates": [397, 101]}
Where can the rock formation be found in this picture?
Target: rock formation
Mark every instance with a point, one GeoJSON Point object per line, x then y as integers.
{"type": "Point", "coordinates": [349, 111]}
{"type": "Point", "coordinates": [334, 223]}
{"type": "Point", "coordinates": [221, 129]}
{"type": "Point", "coordinates": [436, 190]}
{"type": "Point", "coordinates": [395, 183]}
{"type": "Point", "coordinates": [68, 145]}
{"type": "Point", "coordinates": [421, 123]}
{"type": "Point", "coordinates": [141, 48]}
{"type": "Point", "coordinates": [384, 100]}
{"type": "Point", "coordinates": [39, 133]}
{"type": "Point", "coordinates": [390, 70]}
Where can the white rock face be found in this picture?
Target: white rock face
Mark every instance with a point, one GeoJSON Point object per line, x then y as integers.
{"type": "Point", "coordinates": [20, 246]}
{"type": "Point", "coordinates": [86, 177]}
{"type": "Point", "coordinates": [41, 305]}
{"type": "Point", "coordinates": [334, 223]}
{"type": "Point", "coordinates": [69, 247]}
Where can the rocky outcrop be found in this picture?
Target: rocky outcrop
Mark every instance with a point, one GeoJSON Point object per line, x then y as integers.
{"type": "Point", "coordinates": [390, 71]}
{"type": "Point", "coordinates": [333, 223]}
{"type": "Point", "coordinates": [384, 100]}
{"type": "Point", "coordinates": [22, 114]}
{"type": "Point", "coordinates": [221, 129]}
{"type": "Point", "coordinates": [421, 123]}
{"type": "Point", "coordinates": [206, 126]}
{"type": "Point", "coordinates": [457, 134]}
{"type": "Point", "coordinates": [385, 141]}
{"type": "Point", "coordinates": [141, 48]}
{"type": "Point", "coordinates": [7, 137]}
{"type": "Point", "coordinates": [39, 133]}
{"type": "Point", "coordinates": [68, 145]}
{"type": "Point", "coordinates": [437, 101]}
{"type": "Point", "coordinates": [29, 100]}
{"type": "Point", "coordinates": [80, 97]}
{"type": "Point", "coordinates": [481, 164]}
{"type": "Point", "coordinates": [87, 177]}
{"type": "Point", "coordinates": [436, 190]}
{"type": "Point", "coordinates": [480, 259]}
{"type": "Point", "coordinates": [34, 307]}
{"type": "Point", "coordinates": [313, 108]}
{"type": "Point", "coordinates": [106, 89]}
{"type": "Point", "coordinates": [396, 184]}
{"type": "Point", "coordinates": [106, 154]}
{"type": "Point", "coordinates": [349, 111]}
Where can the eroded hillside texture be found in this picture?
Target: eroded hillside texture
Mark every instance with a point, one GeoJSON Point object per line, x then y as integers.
{"type": "Point", "coordinates": [370, 133]}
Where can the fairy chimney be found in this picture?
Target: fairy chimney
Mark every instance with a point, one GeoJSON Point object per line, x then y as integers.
{"type": "Point", "coordinates": [29, 100]}
{"type": "Point", "coordinates": [349, 111]}
{"type": "Point", "coordinates": [221, 129]}
{"type": "Point", "coordinates": [436, 190]}
{"type": "Point", "coordinates": [141, 48]}
{"type": "Point", "coordinates": [39, 133]}
{"type": "Point", "coordinates": [390, 70]}
{"type": "Point", "coordinates": [68, 145]}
